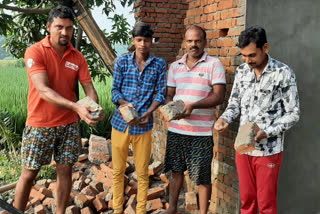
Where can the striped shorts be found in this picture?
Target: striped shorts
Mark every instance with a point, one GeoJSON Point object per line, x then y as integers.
{"type": "Point", "coordinates": [192, 153]}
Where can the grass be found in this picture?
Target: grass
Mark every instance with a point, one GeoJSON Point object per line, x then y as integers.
{"type": "Point", "coordinates": [14, 92]}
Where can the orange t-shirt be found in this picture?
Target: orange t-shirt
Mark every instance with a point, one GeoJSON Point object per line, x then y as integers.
{"type": "Point", "coordinates": [62, 74]}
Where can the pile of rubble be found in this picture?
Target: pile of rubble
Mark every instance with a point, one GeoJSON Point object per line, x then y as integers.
{"type": "Point", "coordinates": [92, 190]}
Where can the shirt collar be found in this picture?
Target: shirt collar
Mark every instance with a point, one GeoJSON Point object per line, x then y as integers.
{"type": "Point", "coordinates": [270, 65]}
{"type": "Point", "coordinates": [46, 43]}
{"type": "Point", "coordinates": [183, 60]}
{"type": "Point", "coordinates": [149, 60]}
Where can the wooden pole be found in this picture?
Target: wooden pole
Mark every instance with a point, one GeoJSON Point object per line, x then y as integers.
{"type": "Point", "coordinates": [8, 187]}
{"type": "Point", "coordinates": [95, 35]}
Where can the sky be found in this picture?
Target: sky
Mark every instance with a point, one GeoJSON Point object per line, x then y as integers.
{"type": "Point", "coordinates": [104, 23]}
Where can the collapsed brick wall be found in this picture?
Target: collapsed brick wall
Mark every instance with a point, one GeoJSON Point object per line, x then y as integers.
{"type": "Point", "coordinates": [223, 21]}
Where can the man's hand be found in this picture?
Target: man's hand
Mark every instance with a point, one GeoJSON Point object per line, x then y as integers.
{"type": "Point", "coordinates": [221, 125]}
{"type": "Point", "coordinates": [186, 112]}
{"type": "Point", "coordinates": [260, 135]}
{"type": "Point", "coordinates": [144, 120]}
{"type": "Point", "coordinates": [84, 113]}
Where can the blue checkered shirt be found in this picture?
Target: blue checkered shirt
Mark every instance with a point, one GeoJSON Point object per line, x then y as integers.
{"type": "Point", "coordinates": [139, 89]}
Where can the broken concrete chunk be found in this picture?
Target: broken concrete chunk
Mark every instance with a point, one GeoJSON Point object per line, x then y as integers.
{"type": "Point", "coordinates": [87, 101]}
{"type": "Point", "coordinates": [172, 110]}
{"type": "Point", "coordinates": [245, 139]}
{"type": "Point", "coordinates": [129, 114]}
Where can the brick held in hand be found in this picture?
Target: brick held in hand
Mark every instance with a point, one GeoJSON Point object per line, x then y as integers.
{"type": "Point", "coordinates": [172, 110]}
{"type": "Point", "coordinates": [129, 114]}
{"type": "Point", "coordinates": [87, 101]}
{"type": "Point", "coordinates": [245, 138]}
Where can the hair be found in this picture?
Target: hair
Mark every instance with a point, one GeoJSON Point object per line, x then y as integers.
{"type": "Point", "coordinates": [142, 29]}
{"type": "Point", "coordinates": [62, 12]}
{"type": "Point", "coordinates": [198, 28]}
{"type": "Point", "coordinates": [253, 34]}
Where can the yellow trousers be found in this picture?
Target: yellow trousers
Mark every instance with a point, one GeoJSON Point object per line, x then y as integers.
{"type": "Point", "coordinates": [141, 145]}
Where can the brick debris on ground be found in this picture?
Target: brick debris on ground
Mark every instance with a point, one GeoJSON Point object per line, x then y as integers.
{"type": "Point", "coordinates": [92, 185]}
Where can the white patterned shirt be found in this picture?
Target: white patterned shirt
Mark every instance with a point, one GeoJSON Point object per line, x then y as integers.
{"type": "Point", "coordinates": [272, 102]}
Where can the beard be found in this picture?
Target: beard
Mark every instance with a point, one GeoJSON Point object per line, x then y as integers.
{"type": "Point", "coordinates": [64, 42]}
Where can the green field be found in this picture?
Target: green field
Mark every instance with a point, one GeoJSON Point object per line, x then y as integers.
{"type": "Point", "coordinates": [14, 91]}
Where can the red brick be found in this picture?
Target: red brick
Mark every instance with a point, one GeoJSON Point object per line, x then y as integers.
{"type": "Point", "coordinates": [100, 204]}
{"type": "Point", "coordinates": [72, 210]}
{"type": "Point", "coordinates": [86, 210]}
{"type": "Point", "coordinates": [133, 184]}
{"type": "Point", "coordinates": [76, 175]}
{"type": "Point", "coordinates": [224, 23]}
{"type": "Point", "coordinates": [98, 149]}
{"type": "Point", "coordinates": [130, 209]}
{"type": "Point", "coordinates": [33, 202]}
{"type": "Point", "coordinates": [81, 200]}
{"type": "Point", "coordinates": [191, 201]}
{"type": "Point", "coordinates": [132, 200]}
{"type": "Point", "coordinates": [234, 13]}
{"type": "Point", "coordinates": [46, 192]}
{"type": "Point", "coordinates": [102, 195]}
{"type": "Point", "coordinates": [130, 190]}
{"type": "Point", "coordinates": [106, 169]}
{"type": "Point", "coordinates": [164, 178]}
{"type": "Point", "coordinates": [154, 204]}
{"type": "Point", "coordinates": [155, 167]}
{"type": "Point", "coordinates": [39, 209]}
{"type": "Point", "coordinates": [224, 14]}
{"type": "Point", "coordinates": [36, 194]}
{"type": "Point", "coordinates": [155, 192]}
{"type": "Point", "coordinates": [110, 204]}
{"type": "Point", "coordinates": [89, 190]}
{"type": "Point", "coordinates": [210, 8]}
{"type": "Point", "coordinates": [226, 4]}
{"type": "Point", "coordinates": [48, 202]}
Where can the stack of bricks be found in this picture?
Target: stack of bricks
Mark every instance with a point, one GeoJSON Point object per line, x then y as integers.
{"type": "Point", "coordinates": [92, 190]}
{"type": "Point", "coordinates": [223, 21]}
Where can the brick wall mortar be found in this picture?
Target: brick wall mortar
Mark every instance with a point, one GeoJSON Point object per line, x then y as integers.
{"type": "Point", "coordinates": [223, 21]}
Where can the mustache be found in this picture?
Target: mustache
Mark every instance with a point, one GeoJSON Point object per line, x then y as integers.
{"type": "Point", "coordinates": [194, 48]}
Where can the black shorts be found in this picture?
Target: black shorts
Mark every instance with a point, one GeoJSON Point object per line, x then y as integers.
{"type": "Point", "coordinates": [192, 153]}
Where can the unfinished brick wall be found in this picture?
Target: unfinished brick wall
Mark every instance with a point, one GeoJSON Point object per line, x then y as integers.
{"type": "Point", "coordinates": [223, 21]}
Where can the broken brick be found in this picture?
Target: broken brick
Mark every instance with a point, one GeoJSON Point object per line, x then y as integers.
{"type": "Point", "coordinates": [72, 210]}
{"type": "Point", "coordinates": [86, 210]}
{"type": "Point", "coordinates": [100, 204]}
{"type": "Point", "coordinates": [191, 201]}
{"type": "Point", "coordinates": [48, 202]}
{"type": "Point", "coordinates": [245, 138]}
{"type": "Point", "coordinates": [154, 193]}
{"type": "Point", "coordinates": [81, 200]}
{"type": "Point", "coordinates": [39, 209]}
{"type": "Point", "coordinates": [36, 194]}
{"type": "Point", "coordinates": [129, 114]}
{"type": "Point", "coordinates": [155, 167]}
{"type": "Point", "coordinates": [172, 110]}
{"type": "Point", "coordinates": [154, 204]}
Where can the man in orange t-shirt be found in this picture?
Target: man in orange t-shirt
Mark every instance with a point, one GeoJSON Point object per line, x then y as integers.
{"type": "Point", "coordinates": [52, 126]}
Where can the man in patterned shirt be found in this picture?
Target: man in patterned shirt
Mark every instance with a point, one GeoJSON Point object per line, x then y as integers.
{"type": "Point", "coordinates": [199, 81]}
{"type": "Point", "coordinates": [140, 81]}
{"type": "Point", "coordinates": [264, 92]}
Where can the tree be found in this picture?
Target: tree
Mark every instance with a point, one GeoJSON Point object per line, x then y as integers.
{"type": "Point", "coordinates": [22, 23]}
